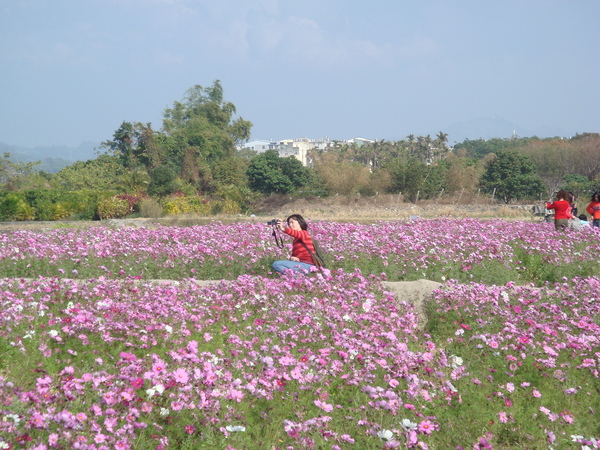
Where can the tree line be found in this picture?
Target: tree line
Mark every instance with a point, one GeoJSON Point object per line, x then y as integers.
{"type": "Point", "coordinates": [193, 163]}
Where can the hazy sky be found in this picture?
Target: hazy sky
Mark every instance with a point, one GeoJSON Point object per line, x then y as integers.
{"type": "Point", "coordinates": [73, 70]}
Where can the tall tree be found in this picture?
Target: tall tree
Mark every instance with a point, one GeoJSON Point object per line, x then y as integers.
{"type": "Point", "coordinates": [268, 173]}
{"type": "Point", "coordinates": [197, 133]}
{"type": "Point", "coordinates": [512, 176]}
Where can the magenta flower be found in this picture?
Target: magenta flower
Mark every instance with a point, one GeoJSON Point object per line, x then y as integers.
{"type": "Point", "coordinates": [426, 427]}
{"type": "Point", "coordinates": [137, 383]}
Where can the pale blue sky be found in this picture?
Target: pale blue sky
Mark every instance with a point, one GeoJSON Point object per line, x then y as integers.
{"type": "Point", "coordinates": [73, 70]}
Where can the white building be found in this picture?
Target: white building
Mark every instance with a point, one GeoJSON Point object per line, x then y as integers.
{"type": "Point", "coordinates": [359, 141]}
{"type": "Point", "coordinates": [261, 146]}
{"type": "Point", "coordinates": [300, 148]}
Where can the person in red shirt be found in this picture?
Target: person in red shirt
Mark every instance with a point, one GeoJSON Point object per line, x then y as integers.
{"type": "Point", "coordinates": [593, 209]}
{"type": "Point", "coordinates": [562, 210]}
{"type": "Point", "coordinates": [300, 258]}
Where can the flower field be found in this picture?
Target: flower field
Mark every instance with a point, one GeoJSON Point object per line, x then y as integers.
{"type": "Point", "coordinates": [95, 355]}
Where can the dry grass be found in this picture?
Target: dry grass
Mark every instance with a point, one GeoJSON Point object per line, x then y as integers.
{"type": "Point", "coordinates": [392, 207]}
{"type": "Point", "coordinates": [337, 208]}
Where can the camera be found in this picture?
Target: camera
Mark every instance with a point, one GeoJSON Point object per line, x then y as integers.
{"type": "Point", "coordinates": [272, 222]}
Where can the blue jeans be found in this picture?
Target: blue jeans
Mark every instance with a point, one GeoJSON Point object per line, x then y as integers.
{"type": "Point", "coordinates": [282, 265]}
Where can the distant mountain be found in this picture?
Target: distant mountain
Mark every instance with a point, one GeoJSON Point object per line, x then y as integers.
{"type": "Point", "coordinates": [53, 158]}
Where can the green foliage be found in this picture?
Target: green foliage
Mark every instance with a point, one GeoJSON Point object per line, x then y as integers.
{"type": "Point", "coordinates": [416, 179]}
{"type": "Point", "coordinates": [512, 175]}
{"type": "Point", "coordinates": [113, 208]}
{"type": "Point", "coordinates": [244, 197]}
{"type": "Point", "coordinates": [13, 174]}
{"type": "Point", "coordinates": [578, 185]}
{"type": "Point", "coordinates": [164, 181]}
{"type": "Point", "coordinates": [197, 143]}
{"type": "Point", "coordinates": [478, 148]}
{"type": "Point", "coordinates": [180, 204]}
{"type": "Point", "coordinates": [14, 206]}
{"type": "Point", "coordinates": [49, 204]}
{"type": "Point", "coordinates": [268, 173]}
{"type": "Point", "coordinates": [97, 174]}
{"type": "Point", "coordinates": [230, 172]}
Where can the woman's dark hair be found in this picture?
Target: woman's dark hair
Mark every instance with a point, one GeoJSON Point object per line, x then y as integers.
{"type": "Point", "coordinates": [582, 217]}
{"type": "Point", "coordinates": [562, 195]}
{"type": "Point", "coordinates": [594, 195]}
{"type": "Point", "coordinates": [300, 220]}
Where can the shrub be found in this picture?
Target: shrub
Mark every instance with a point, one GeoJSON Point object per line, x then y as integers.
{"type": "Point", "coordinates": [150, 208]}
{"type": "Point", "coordinates": [132, 200]}
{"type": "Point", "coordinates": [113, 208]}
{"type": "Point", "coordinates": [12, 206]}
{"type": "Point", "coordinates": [60, 211]}
{"type": "Point", "coordinates": [225, 207]}
{"type": "Point", "coordinates": [187, 205]}
{"type": "Point", "coordinates": [24, 211]}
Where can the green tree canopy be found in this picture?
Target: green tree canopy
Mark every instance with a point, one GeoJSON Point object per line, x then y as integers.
{"type": "Point", "coordinates": [101, 173]}
{"type": "Point", "coordinates": [268, 173]}
{"type": "Point", "coordinates": [197, 134]}
{"type": "Point", "coordinates": [512, 175]}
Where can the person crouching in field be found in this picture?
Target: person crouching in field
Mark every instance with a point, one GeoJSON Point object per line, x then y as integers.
{"type": "Point", "coordinates": [302, 246]}
{"type": "Point", "coordinates": [562, 210]}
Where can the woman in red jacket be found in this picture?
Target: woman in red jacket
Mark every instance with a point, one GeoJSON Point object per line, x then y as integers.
{"type": "Point", "coordinates": [562, 210]}
{"type": "Point", "coordinates": [594, 209]}
{"type": "Point", "coordinates": [300, 258]}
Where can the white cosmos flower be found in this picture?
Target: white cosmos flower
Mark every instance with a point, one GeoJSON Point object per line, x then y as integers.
{"type": "Point", "coordinates": [385, 435]}
{"type": "Point", "coordinates": [408, 425]}
{"type": "Point", "coordinates": [234, 428]}
{"type": "Point", "coordinates": [459, 332]}
{"type": "Point", "coordinates": [169, 329]}
{"type": "Point", "coordinates": [456, 361]}
{"type": "Point", "coordinates": [13, 417]}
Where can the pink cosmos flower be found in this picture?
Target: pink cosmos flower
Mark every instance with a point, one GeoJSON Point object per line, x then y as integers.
{"type": "Point", "coordinates": [536, 393]}
{"type": "Point", "coordinates": [426, 427]}
{"type": "Point", "coordinates": [181, 376]}
{"type": "Point", "coordinates": [324, 406]}
{"type": "Point", "coordinates": [158, 368]}
{"type": "Point", "coordinates": [137, 383]}
{"type": "Point", "coordinates": [347, 438]}
{"type": "Point", "coordinates": [567, 417]}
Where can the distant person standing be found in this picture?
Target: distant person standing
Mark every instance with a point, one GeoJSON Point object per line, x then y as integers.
{"type": "Point", "coordinates": [562, 210]}
{"type": "Point", "coordinates": [593, 209]}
